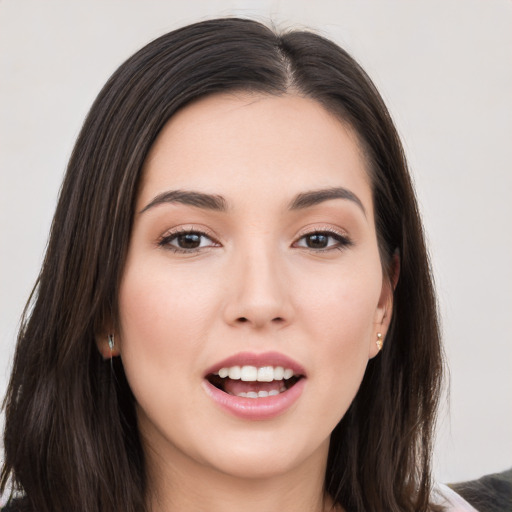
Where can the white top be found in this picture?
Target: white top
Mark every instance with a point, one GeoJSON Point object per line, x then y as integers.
{"type": "Point", "coordinates": [447, 497]}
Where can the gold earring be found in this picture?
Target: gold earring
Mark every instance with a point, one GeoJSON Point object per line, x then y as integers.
{"type": "Point", "coordinates": [379, 341]}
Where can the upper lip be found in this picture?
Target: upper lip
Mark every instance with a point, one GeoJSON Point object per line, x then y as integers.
{"type": "Point", "coordinates": [258, 360]}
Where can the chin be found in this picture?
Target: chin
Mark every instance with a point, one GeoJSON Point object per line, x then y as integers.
{"type": "Point", "coordinates": [257, 468]}
{"type": "Point", "coordinates": [268, 458]}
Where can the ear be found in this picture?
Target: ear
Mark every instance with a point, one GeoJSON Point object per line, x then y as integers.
{"type": "Point", "coordinates": [107, 345]}
{"type": "Point", "coordinates": [384, 309]}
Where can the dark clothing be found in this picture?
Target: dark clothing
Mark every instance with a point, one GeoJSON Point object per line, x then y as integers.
{"type": "Point", "coordinates": [491, 493]}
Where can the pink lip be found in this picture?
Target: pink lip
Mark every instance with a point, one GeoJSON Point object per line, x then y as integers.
{"type": "Point", "coordinates": [262, 408]}
{"type": "Point", "coordinates": [258, 360]}
{"type": "Point", "coordinates": [256, 408]}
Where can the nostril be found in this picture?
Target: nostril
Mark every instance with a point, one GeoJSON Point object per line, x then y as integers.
{"type": "Point", "coordinates": [276, 320]}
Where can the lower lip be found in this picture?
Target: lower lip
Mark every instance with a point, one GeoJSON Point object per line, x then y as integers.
{"type": "Point", "coordinates": [263, 408]}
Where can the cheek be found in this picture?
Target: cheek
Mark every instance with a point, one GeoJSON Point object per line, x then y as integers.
{"type": "Point", "coordinates": [340, 316]}
{"type": "Point", "coordinates": [159, 305]}
{"type": "Point", "coordinates": [164, 319]}
{"type": "Point", "coordinates": [343, 303]}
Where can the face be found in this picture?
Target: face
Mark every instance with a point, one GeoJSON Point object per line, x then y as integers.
{"type": "Point", "coordinates": [253, 290]}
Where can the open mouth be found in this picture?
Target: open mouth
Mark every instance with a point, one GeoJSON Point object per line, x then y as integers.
{"type": "Point", "coordinates": [253, 381]}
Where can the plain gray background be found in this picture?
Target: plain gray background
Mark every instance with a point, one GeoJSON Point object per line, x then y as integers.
{"type": "Point", "coordinates": [445, 70]}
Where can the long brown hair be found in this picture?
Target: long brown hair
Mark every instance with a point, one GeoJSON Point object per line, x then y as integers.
{"type": "Point", "coordinates": [71, 438]}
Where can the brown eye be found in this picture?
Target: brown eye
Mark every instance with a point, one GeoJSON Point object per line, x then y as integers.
{"type": "Point", "coordinates": [323, 240]}
{"type": "Point", "coordinates": [188, 241]}
{"type": "Point", "coordinates": [317, 241]}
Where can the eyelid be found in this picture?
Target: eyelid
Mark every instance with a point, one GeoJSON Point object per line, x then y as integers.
{"type": "Point", "coordinates": [321, 228]}
{"type": "Point", "coordinates": [169, 235]}
{"type": "Point", "coordinates": [340, 235]}
{"type": "Point", "coordinates": [342, 238]}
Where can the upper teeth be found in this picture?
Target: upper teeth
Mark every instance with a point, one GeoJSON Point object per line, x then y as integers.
{"type": "Point", "coordinates": [253, 373]}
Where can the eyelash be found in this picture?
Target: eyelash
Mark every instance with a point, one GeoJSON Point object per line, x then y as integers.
{"type": "Point", "coordinates": [342, 241]}
{"type": "Point", "coordinates": [166, 240]}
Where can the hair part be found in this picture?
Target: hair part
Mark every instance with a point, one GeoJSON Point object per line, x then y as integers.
{"type": "Point", "coordinates": [71, 429]}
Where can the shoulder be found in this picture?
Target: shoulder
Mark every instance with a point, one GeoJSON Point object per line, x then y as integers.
{"type": "Point", "coordinates": [450, 500]}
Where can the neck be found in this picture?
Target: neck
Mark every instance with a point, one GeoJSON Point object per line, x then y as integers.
{"type": "Point", "coordinates": [178, 483]}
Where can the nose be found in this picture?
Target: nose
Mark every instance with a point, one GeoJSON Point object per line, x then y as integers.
{"type": "Point", "coordinates": [259, 295]}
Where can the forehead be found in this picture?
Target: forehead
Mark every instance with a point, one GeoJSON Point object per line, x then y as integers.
{"type": "Point", "coordinates": [228, 143]}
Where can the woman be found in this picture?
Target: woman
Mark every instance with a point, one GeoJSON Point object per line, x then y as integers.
{"type": "Point", "coordinates": [236, 308]}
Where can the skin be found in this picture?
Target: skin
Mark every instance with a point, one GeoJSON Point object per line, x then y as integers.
{"type": "Point", "coordinates": [253, 285]}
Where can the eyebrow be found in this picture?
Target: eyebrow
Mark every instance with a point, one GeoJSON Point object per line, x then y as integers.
{"type": "Point", "coordinates": [308, 199]}
{"type": "Point", "coordinates": [218, 203]}
{"type": "Point", "coordinates": [191, 198]}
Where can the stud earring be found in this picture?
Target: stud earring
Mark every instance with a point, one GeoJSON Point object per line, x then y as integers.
{"type": "Point", "coordinates": [111, 343]}
{"type": "Point", "coordinates": [379, 341]}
